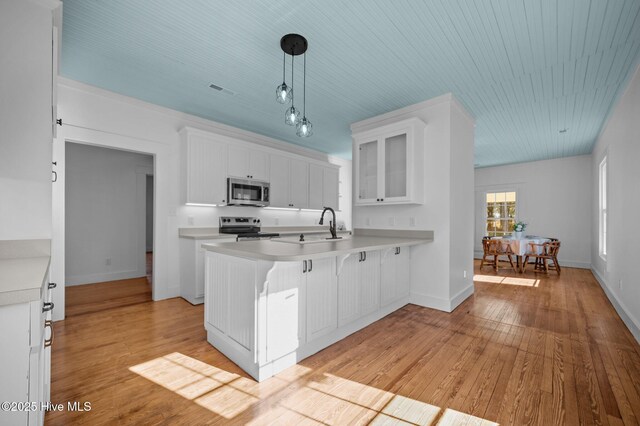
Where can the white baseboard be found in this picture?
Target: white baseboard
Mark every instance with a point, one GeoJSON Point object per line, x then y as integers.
{"type": "Point", "coordinates": [439, 303]}
{"type": "Point", "coordinates": [99, 278]}
{"type": "Point", "coordinates": [461, 297]}
{"type": "Point", "coordinates": [432, 302]}
{"type": "Point", "coordinates": [629, 320]}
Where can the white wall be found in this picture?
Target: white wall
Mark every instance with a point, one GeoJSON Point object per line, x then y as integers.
{"type": "Point", "coordinates": [553, 197]}
{"type": "Point", "coordinates": [98, 117]}
{"type": "Point", "coordinates": [105, 214]}
{"type": "Point", "coordinates": [620, 141]}
{"type": "Point", "coordinates": [25, 120]}
{"type": "Point", "coordinates": [436, 268]}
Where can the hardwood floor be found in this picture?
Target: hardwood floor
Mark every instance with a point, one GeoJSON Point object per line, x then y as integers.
{"type": "Point", "coordinates": [524, 349]}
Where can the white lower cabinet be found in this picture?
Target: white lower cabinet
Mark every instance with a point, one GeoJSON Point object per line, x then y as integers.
{"type": "Point", "coordinates": [322, 297]}
{"type": "Point", "coordinates": [192, 267]}
{"type": "Point", "coordinates": [25, 359]}
{"type": "Point", "coordinates": [395, 274]}
{"type": "Point", "coordinates": [358, 285]}
{"type": "Point", "coordinates": [266, 316]}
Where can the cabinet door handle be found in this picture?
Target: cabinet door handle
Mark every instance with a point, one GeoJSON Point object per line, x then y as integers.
{"type": "Point", "coordinates": [47, 306]}
{"type": "Point", "coordinates": [304, 266]}
{"type": "Point", "coordinates": [52, 285]}
{"type": "Point", "coordinates": [310, 265]}
{"type": "Point", "coordinates": [48, 342]}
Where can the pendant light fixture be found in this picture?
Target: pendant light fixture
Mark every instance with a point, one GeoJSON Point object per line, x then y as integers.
{"type": "Point", "coordinates": [284, 92]}
{"type": "Point", "coordinates": [294, 45]}
{"type": "Point", "coordinates": [304, 128]}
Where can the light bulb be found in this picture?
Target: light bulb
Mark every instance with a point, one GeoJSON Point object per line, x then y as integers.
{"type": "Point", "coordinates": [283, 93]}
{"type": "Point", "coordinates": [291, 116]}
{"type": "Point", "coordinates": [304, 128]}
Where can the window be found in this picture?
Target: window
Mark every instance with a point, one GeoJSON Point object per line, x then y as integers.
{"type": "Point", "coordinates": [602, 208]}
{"type": "Point", "coordinates": [501, 213]}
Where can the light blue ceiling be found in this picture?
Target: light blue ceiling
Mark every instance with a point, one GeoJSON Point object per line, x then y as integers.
{"type": "Point", "coordinates": [526, 69]}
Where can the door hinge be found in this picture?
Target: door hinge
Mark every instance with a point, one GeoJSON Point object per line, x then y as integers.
{"type": "Point", "coordinates": [59, 121]}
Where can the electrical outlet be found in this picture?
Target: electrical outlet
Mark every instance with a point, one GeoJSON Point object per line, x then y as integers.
{"type": "Point", "coordinates": [367, 221]}
{"type": "Point", "coordinates": [464, 274]}
{"type": "Point", "coordinates": [190, 220]}
{"type": "Point", "coordinates": [392, 221]}
{"type": "Point", "coordinates": [108, 261]}
{"type": "Point", "coordinates": [412, 221]}
{"type": "Point", "coordinates": [277, 221]}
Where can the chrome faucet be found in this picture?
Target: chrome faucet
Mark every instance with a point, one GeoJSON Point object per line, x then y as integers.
{"type": "Point", "coordinates": [332, 224]}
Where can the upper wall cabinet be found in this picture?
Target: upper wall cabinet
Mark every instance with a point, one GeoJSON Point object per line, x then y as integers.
{"type": "Point", "coordinates": [323, 187]}
{"type": "Point", "coordinates": [388, 162]}
{"type": "Point", "coordinates": [289, 182]}
{"type": "Point", "coordinates": [204, 169]}
{"type": "Point", "coordinates": [248, 163]}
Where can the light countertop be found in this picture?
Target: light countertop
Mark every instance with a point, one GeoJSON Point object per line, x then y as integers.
{"type": "Point", "coordinates": [23, 270]}
{"type": "Point", "coordinates": [272, 250]}
{"type": "Point", "coordinates": [212, 233]}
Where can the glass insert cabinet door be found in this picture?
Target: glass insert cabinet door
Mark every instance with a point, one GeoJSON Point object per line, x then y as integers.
{"type": "Point", "coordinates": [368, 170]}
{"type": "Point", "coordinates": [395, 166]}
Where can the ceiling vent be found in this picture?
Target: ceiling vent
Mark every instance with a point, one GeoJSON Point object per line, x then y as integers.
{"type": "Point", "coordinates": [221, 89]}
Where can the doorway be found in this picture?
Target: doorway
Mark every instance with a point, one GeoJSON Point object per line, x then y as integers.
{"type": "Point", "coordinates": [108, 225]}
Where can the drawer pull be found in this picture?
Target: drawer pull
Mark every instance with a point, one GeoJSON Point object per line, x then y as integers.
{"type": "Point", "coordinates": [48, 342]}
{"type": "Point", "coordinates": [52, 285]}
{"type": "Point", "coordinates": [48, 306]}
{"type": "Point", "coordinates": [290, 296]}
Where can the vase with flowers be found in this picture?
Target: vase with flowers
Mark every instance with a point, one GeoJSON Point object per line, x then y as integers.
{"type": "Point", "coordinates": [518, 229]}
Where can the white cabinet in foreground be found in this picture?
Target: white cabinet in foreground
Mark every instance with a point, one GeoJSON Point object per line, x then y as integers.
{"type": "Point", "coordinates": [268, 315]}
{"type": "Point", "coordinates": [394, 274]}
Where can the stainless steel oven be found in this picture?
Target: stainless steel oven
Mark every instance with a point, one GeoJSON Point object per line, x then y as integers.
{"type": "Point", "coordinates": [247, 192]}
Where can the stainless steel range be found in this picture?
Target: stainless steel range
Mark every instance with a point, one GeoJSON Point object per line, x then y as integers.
{"type": "Point", "coordinates": [243, 227]}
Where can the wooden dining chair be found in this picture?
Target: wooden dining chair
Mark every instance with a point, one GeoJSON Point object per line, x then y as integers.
{"type": "Point", "coordinates": [500, 252]}
{"type": "Point", "coordinates": [545, 254]}
{"type": "Point", "coordinates": [486, 255]}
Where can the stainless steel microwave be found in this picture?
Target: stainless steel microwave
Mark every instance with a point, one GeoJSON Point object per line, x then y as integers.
{"type": "Point", "coordinates": [247, 192]}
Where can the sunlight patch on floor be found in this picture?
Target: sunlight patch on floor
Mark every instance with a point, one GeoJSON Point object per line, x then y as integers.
{"type": "Point", "coordinates": [496, 279]}
{"type": "Point", "coordinates": [322, 399]}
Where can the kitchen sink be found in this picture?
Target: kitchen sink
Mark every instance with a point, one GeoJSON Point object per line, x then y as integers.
{"type": "Point", "coordinates": [310, 239]}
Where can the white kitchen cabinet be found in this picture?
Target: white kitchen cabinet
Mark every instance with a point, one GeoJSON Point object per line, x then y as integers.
{"type": "Point", "coordinates": [286, 319]}
{"type": "Point", "coordinates": [388, 163]}
{"type": "Point", "coordinates": [25, 357]}
{"type": "Point", "coordinates": [204, 168]}
{"type": "Point", "coordinates": [192, 267]}
{"type": "Point", "coordinates": [394, 274]}
{"type": "Point", "coordinates": [322, 297]}
{"type": "Point", "coordinates": [248, 163]}
{"type": "Point", "coordinates": [323, 187]}
{"type": "Point", "coordinates": [232, 300]}
{"type": "Point", "coordinates": [279, 179]}
{"type": "Point", "coordinates": [358, 285]}
{"type": "Point", "coordinates": [289, 182]}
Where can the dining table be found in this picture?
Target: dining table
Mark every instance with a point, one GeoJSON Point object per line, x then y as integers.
{"type": "Point", "coordinates": [520, 247]}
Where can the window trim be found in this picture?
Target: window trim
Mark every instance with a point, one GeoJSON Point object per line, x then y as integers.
{"type": "Point", "coordinates": [603, 216]}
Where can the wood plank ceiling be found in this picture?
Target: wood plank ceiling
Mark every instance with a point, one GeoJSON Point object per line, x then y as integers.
{"type": "Point", "coordinates": [526, 69]}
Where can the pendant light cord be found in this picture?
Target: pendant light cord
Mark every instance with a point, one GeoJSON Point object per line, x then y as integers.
{"type": "Point", "coordinates": [304, 88]}
{"type": "Point", "coordinates": [284, 64]}
{"type": "Point", "coordinates": [292, 58]}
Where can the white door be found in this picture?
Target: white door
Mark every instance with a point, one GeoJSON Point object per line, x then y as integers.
{"type": "Point", "coordinates": [388, 281]}
{"type": "Point", "coordinates": [316, 186]}
{"type": "Point", "coordinates": [331, 181]}
{"type": "Point", "coordinates": [370, 282]}
{"type": "Point", "coordinates": [403, 271]}
{"type": "Point", "coordinates": [259, 165]}
{"type": "Point", "coordinates": [285, 292]}
{"type": "Point", "coordinates": [366, 163]}
{"type": "Point", "coordinates": [322, 297]}
{"type": "Point", "coordinates": [299, 184]}
{"type": "Point", "coordinates": [279, 177]}
{"type": "Point", "coordinates": [238, 162]}
{"type": "Point", "coordinates": [349, 290]}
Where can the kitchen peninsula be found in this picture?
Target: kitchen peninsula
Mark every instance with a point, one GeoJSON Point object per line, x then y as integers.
{"type": "Point", "coordinates": [272, 303]}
